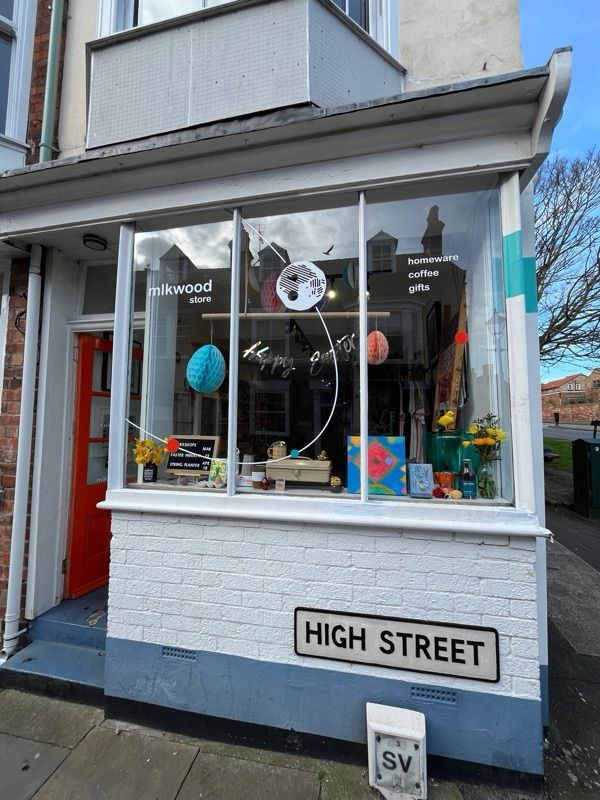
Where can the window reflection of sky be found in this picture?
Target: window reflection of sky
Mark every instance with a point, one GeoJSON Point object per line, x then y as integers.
{"type": "Point", "coordinates": [206, 246]}
{"type": "Point", "coordinates": [156, 10]}
{"type": "Point", "coordinates": [310, 234]}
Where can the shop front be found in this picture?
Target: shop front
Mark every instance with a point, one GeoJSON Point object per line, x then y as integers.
{"type": "Point", "coordinates": [313, 404]}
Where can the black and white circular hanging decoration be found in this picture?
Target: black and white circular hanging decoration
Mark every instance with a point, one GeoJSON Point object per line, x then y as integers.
{"type": "Point", "coordinates": [301, 285]}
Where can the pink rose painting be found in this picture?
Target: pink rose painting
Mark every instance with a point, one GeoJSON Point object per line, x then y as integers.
{"type": "Point", "coordinates": [386, 464]}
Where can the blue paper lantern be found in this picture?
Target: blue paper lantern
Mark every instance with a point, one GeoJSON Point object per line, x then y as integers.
{"type": "Point", "coordinates": [205, 370]}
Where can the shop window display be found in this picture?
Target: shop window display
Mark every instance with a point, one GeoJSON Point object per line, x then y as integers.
{"type": "Point", "coordinates": [435, 342]}
{"type": "Point", "coordinates": [443, 342]}
{"type": "Point", "coordinates": [290, 393]}
{"type": "Point", "coordinates": [184, 390]}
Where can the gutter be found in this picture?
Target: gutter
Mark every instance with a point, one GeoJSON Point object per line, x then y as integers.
{"type": "Point", "coordinates": [50, 93]}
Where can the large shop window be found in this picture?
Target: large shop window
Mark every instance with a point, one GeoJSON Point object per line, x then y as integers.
{"type": "Point", "coordinates": [435, 334]}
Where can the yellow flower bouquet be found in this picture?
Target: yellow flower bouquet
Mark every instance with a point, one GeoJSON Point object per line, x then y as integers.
{"type": "Point", "coordinates": [487, 437]}
{"type": "Point", "coordinates": [147, 452]}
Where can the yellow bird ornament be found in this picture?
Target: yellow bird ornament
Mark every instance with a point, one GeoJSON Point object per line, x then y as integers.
{"type": "Point", "coordinates": [447, 420]}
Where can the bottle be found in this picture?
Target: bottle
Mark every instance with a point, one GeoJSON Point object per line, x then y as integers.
{"type": "Point", "coordinates": [468, 480]}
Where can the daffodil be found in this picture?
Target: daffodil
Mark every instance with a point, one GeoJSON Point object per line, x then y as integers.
{"type": "Point", "coordinates": [147, 452]}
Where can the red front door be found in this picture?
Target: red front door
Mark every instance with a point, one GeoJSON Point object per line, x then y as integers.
{"type": "Point", "coordinates": [89, 534]}
{"type": "Point", "coordinates": [88, 551]}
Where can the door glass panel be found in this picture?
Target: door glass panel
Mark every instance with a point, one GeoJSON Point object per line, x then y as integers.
{"type": "Point", "coordinates": [100, 418]}
{"type": "Point", "coordinates": [97, 469]}
{"type": "Point", "coordinates": [101, 372]}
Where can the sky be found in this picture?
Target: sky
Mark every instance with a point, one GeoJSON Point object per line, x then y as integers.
{"type": "Point", "coordinates": [549, 24]}
{"type": "Point", "coordinates": [545, 26]}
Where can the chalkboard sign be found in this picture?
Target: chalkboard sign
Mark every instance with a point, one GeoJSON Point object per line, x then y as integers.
{"type": "Point", "coordinates": [203, 449]}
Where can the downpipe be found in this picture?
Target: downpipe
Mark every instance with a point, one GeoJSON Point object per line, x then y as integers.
{"type": "Point", "coordinates": [19, 526]}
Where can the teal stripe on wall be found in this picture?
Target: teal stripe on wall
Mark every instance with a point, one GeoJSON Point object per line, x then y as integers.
{"type": "Point", "coordinates": [530, 285]}
{"type": "Point", "coordinates": [514, 274]}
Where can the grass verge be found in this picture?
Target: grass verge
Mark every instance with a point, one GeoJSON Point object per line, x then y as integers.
{"type": "Point", "coordinates": [563, 448]}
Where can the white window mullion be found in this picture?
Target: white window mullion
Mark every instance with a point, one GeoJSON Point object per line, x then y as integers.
{"type": "Point", "coordinates": [234, 325]}
{"type": "Point", "coordinates": [362, 349]}
{"type": "Point", "coordinates": [121, 362]}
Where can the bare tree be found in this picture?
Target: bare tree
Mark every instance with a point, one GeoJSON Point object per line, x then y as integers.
{"type": "Point", "coordinates": [567, 234]}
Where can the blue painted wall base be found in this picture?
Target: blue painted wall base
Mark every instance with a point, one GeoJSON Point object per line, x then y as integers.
{"type": "Point", "coordinates": [472, 726]}
{"type": "Point", "coordinates": [544, 691]}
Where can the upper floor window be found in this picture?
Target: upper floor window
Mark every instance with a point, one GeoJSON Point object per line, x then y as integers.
{"type": "Point", "coordinates": [377, 17]}
{"type": "Point", "coordinates": [570, 387]}
{"type": "Point", "coordinates": [17, 21]}
{"type": "Point", "coordinates": [358, 10]}
{"type": "Point", "coordinates": [578, 386]}
{"type": "Point", "coordinates": [148, 11]}
{"type": "Point", "coordinates": [6, 44]}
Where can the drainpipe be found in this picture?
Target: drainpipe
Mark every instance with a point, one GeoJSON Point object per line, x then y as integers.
{"type": "Point", "coordinates": [34, 292]}
{"type": "Point", "coordinates": [17, 542]}
{"type": "Point", "coordinates": [49, 113]}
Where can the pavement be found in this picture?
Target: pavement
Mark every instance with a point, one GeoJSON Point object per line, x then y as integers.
{"type": "Point", "coordinates": [53, 749]}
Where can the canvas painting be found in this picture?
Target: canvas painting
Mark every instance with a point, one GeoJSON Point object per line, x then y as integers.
{"type": "Point", "coordinates": [420, 480]}
{"type": "Point", "coordinates": [386, 465]}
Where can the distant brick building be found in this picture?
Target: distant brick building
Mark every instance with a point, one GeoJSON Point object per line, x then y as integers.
{"type": "Point", "coordinates": [573, 397]}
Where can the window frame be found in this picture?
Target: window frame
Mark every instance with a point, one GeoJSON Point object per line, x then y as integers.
{"type": "Point", "coordinates": [20, 29]}
{"type": "Point", "coordinates": [363, 297]}
{"type": "Point", "coordinates": [520, 519]}
{"type": "Point", "coordinates": [118, 15]}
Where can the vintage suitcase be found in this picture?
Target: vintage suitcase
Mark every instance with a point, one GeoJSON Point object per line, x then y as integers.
{"type": "Point", "coordinates": [300, 470]}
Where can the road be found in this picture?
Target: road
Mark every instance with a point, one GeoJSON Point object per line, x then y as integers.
{"type": "Point", "coordinates": [568, 434]}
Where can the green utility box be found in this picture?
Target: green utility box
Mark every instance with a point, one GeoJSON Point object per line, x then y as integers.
{"type": "Point", "coordinates": [586, 477]}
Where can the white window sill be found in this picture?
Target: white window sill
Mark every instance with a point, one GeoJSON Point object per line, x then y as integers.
{"type": "Point", "coordinates": [435, 516]}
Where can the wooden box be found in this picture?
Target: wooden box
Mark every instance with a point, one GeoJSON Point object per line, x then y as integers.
{"type": "Point", "coordinates": [300, 470]}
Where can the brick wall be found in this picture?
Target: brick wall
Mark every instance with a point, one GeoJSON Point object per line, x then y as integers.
{"type": "Point", "coordinates": [576, 412]}
{"type": "Point", "coordinates": [232, 587]}
{"type": "Point", "coordinates": [38, 79]}
{"type": "Point", "coordinates": [9, 415]}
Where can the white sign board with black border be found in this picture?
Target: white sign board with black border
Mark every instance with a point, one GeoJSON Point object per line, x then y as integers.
{"type": "Point", "coordinates": [437, 648]}
{"type": "Point", "coordinates": [195, 455]}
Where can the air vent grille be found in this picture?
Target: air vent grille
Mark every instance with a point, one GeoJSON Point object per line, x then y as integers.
{"type": "Point", "coordinates": [178, 653]}
{"type": "Point", "coordinates": [437, 695]}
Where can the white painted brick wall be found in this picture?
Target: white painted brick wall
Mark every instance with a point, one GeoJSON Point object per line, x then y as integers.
{"type": "Point", "coordinates": [215, 585]}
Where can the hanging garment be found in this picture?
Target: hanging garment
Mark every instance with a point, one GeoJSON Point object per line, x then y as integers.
{"type": "Point", "coordinates": [401, 415]}
{"type": "Point", "coordinates": [417, 445]}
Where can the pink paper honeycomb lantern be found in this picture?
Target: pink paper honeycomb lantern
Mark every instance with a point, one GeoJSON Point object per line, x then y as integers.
{"type": "Point", "coordinates": [378, 348]}
{"type": "Point", "coordinates": [268, 294]}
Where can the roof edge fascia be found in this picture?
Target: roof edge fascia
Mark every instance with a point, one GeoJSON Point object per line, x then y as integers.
{"type": "Point", "coordinates": [164, 148]}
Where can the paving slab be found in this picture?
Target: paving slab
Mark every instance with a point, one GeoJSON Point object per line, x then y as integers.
{"type": "Point", "coordinates": [346, 782]}
{"type": "Point", "coordinates": [26, 765]}
{"type": "Point", "coordinates": [217, 778]}
{"type": "Point", "coordinates": [120, 766]}
{"type": "Point", "coordinates": [574, 589]}
{"type": "Point", "coordinates": [46, 719]}
{"type": "Point", "coordinates": [441, 790]}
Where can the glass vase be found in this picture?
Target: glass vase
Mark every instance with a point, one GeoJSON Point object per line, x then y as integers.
{"type": "Point", "coordinates": [149, 473]}
{"type": "Point", "coordinates": [486, 483]}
